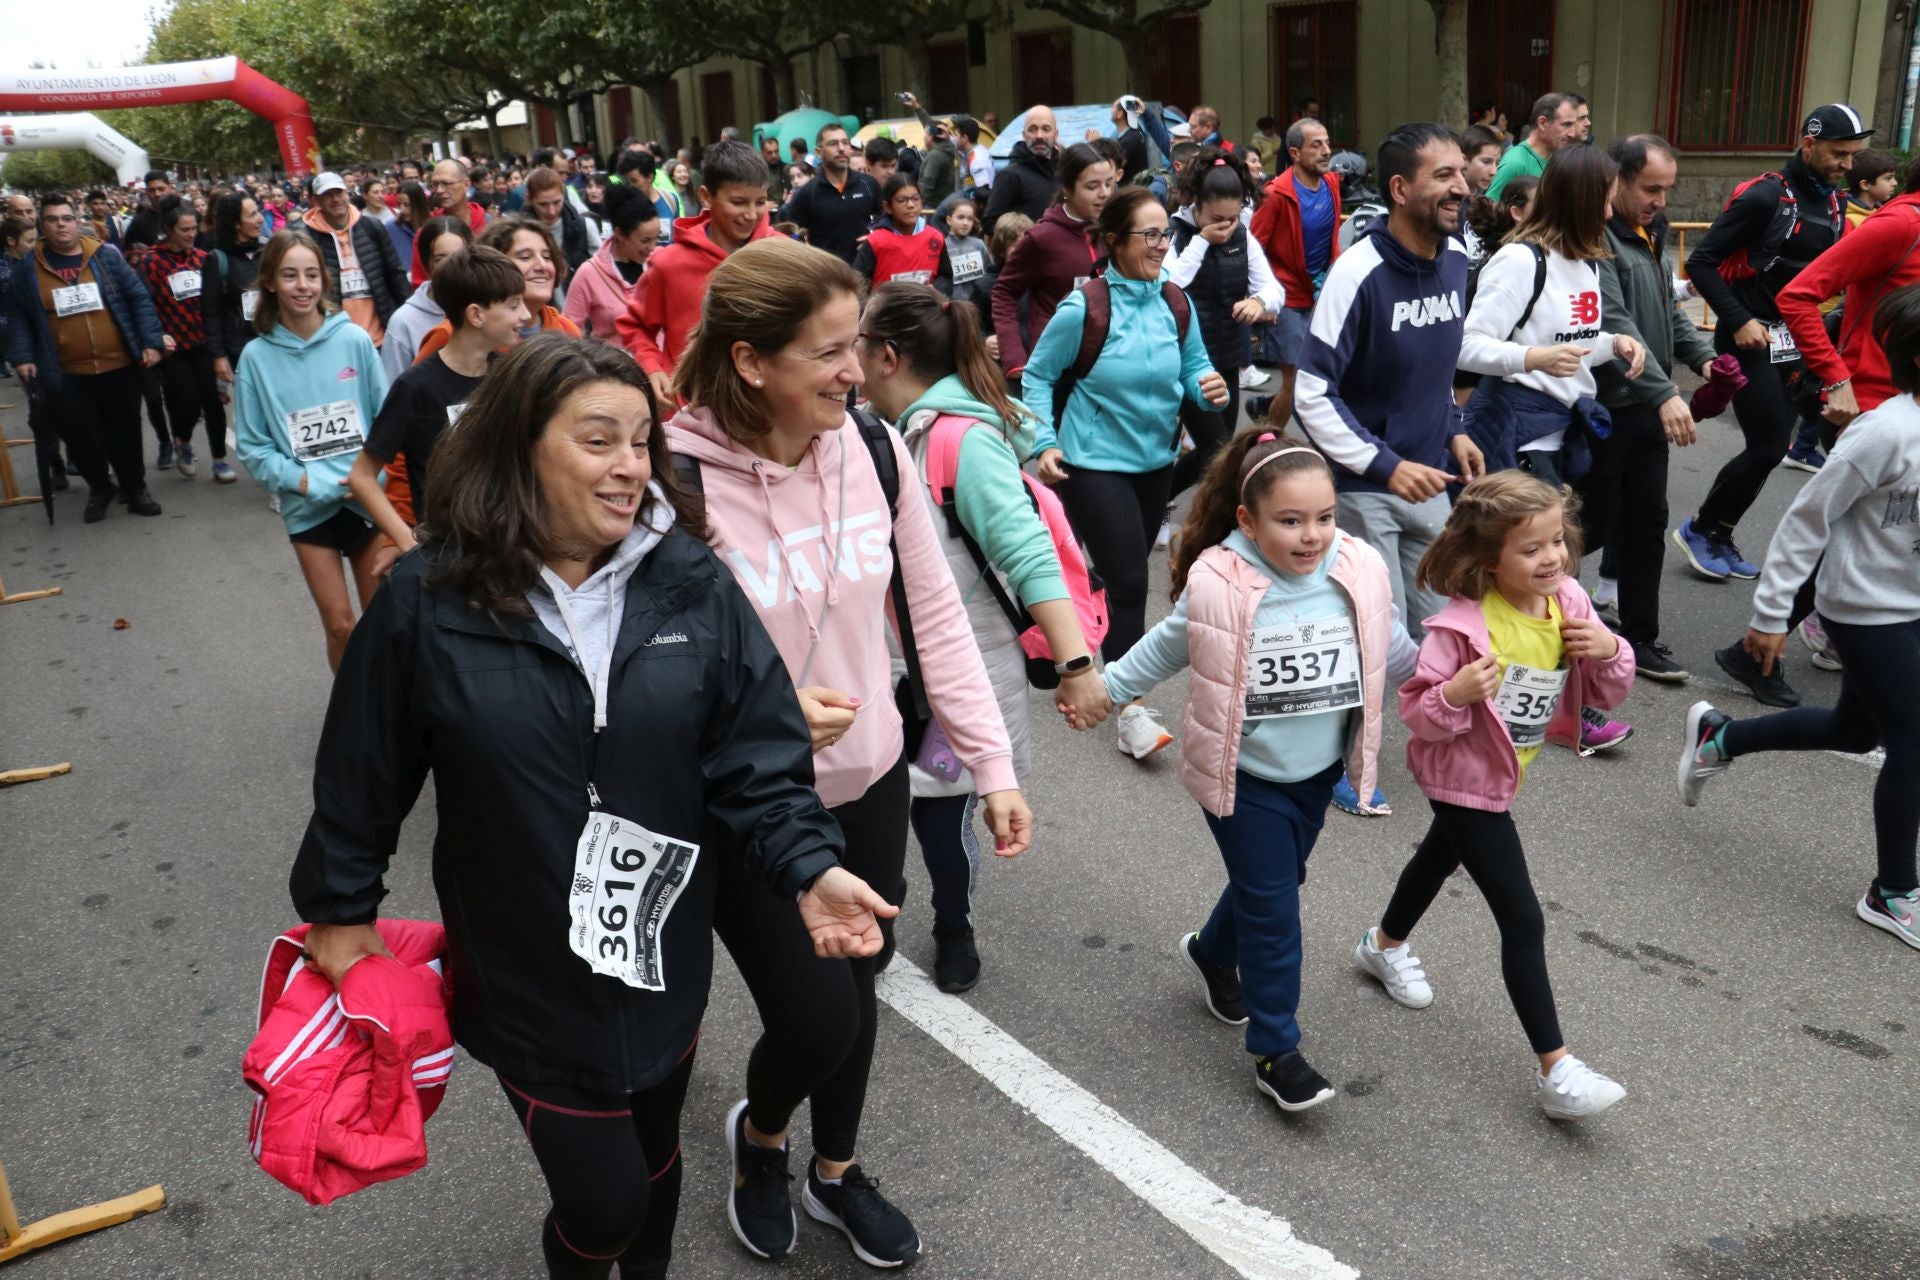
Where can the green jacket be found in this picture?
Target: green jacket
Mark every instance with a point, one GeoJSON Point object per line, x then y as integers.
{"type": "Point", "coordinates": [936, 165]}
{"type": "Point", "coordinates": [1636, 297]}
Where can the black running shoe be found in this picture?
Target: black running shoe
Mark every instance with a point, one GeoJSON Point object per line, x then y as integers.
{"type": "Point", "coordinates": [141, 503]}
{"type": "Point", "coordinates": [99, 502]}
{"type": "Point", "coordinates": [1289, 1081]}
{"type": "Point", "coordinates": [956, 961]}
{"type": "Point", "coordinates": [1768, 690]}
{"type": "Point", "coordinates": [880, 1234]}
{"type": "Point", "coordinates": [1655, 662]}
{"type": "Point", "coordinates": [1224, 1000]}
{"type": "Point", "coordinates": [760, 1206]}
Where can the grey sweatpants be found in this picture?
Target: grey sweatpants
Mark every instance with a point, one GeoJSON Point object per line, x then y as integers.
{"type": "Point", "coordinates": [1401, 532]}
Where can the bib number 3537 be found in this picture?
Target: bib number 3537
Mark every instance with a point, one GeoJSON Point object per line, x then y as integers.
{"type": "Point", "coordinates": [626, 880]}
{"type": "Point", "coordinates": [1526, 701]}
{"type": "Point", "coordinates": [1303, 668]}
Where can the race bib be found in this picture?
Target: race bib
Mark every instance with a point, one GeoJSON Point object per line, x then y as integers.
{"type": "Point", "coordinates": [915, 277]}
{"type": "Point", "coordinates": [1526, 701]}
{"type": "Point", "coordinates": [353, 283]}
{"type": "Point", "coordinates": [1303, 668]}
{"type": "Point", "coordinates": [185, 284]}
{"type": "Point", "coordinates": [968, 266]}
{"type": "Point", "coordinates": [325, 431]}
{"type": "Point", "coordinates": [249, 299]}
{"type": "Point", "coordinates": [626, 881]}
{"type": "Point", "coordinates": [76, 299]}
{"type": "Point", "coordinates": [1780, 345]}
{"type": "Point", "coordinates": [453, 413]}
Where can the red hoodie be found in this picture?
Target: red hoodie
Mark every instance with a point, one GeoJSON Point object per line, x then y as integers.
{"type": "Point", "coordinates": [1056, 257]}
{"type": "Point", "coordinates": [1879, 255]}
{"type": "Point", "coordinates": [418, 271]}
{"type": "Point", "coordinates": [666, 303]}
{"type": "Point", "coordinates": [1276, 225]}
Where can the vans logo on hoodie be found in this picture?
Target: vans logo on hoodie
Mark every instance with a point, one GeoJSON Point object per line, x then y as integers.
{"type": "Point", "coordinates": [862, 549]}
{"type": "Point", "coordinates": [1420, 312]}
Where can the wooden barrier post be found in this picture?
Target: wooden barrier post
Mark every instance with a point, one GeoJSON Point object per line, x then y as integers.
{"type": "Point", "coordinates": [17, 1240]}
{"type": "Point", "coordinates": [10, 495]}
{"type": "Point", "coordinates": [1680, 229]}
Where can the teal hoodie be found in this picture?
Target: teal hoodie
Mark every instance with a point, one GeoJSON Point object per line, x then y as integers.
{"type": "Point", "coordinates": [989, 496]}
{"type": "Point", "coordinates": [279, 376]}
{"type": "Point", "coordinates": [1124, 415]}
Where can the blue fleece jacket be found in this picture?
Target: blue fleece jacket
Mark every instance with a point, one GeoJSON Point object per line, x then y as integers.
{"type": "Point", "coordinates": [1375, 386]}
{"type": "Point", "coordinates": [281, 375]}
{"type": "Point", "coordinates": [1124, 415]}
{"type": "Point", "coordinates": [30, 333]}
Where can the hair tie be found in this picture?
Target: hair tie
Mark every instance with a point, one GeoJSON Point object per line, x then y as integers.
{"type": "Point", "coordinates": [1266, 437]}
{"type": "Point", "coordinates": [1218, 161]}
{"type": "Point", "coordinates": [946, 305]}
{"type": "Point", "coordinates": [1277, 453]}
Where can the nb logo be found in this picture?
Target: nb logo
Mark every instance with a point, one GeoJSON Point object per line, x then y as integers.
{"type": "Point", "coordinates": [1585, 308]}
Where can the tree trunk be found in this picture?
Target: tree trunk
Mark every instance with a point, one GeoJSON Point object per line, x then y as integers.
{"type": "Point", "coordinates": [1450, 51]}
{"type": "Point", "coordinates": [920, 75]}
{"type": "Point", "coordinates": [494, 147]}
{"type": "Point", "coordinates": [1136, 44]}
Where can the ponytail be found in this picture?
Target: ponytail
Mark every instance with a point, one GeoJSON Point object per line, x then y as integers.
{"type": "Point", "coordinates": [1240, 474]}
{"type": "Point", "coordinates": [935, 337]}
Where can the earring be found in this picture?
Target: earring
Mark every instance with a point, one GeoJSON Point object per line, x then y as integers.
{"type": "Point", "coordinates": [759, 382]}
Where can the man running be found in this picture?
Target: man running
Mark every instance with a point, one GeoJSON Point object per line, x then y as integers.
{"type": "Point", "coordinates": [1298, 224]}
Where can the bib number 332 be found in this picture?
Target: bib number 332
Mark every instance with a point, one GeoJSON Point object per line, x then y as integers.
{"type": "Point", "coordinates": [626, 880]}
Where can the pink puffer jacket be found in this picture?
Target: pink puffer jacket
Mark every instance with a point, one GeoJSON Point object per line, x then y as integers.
{"type": "Point", "coordinates": [1223, 597]}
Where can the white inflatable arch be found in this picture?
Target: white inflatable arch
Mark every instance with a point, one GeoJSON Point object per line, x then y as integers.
{"type": "Point", "coordinates": [82, 131]}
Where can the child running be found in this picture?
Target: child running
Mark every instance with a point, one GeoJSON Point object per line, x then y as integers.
{"type": "Point", "coordinates": [1505, 667]}
{"type": "Point", "coordinates": [1853, 528]}
{"type": "Point", "coordinates": [1288, 625]}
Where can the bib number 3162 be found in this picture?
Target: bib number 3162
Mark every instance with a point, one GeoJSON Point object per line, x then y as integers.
{"type": "Point", "coordinates": [626, 880]}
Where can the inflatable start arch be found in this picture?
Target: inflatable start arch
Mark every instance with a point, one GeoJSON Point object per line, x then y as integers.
{"type": "Point", "coordinates": [166, 83]}
{"type": "Point", "coordinates": [81, 131]}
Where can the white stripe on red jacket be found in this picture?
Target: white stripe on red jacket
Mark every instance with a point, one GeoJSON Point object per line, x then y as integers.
{"type": "Point", "coordinates": [348, 1078]}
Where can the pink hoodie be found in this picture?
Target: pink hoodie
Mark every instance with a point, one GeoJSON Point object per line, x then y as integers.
{"type": "Point", "coordinates": [597, 296]}
{"type": "Point", "coordinates": [1462, 755]}
{"type": "Point", "coordinates": [828, 613]}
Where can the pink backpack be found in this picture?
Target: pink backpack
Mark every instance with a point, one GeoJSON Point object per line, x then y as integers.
{"type": "Point", "coordinates": [1089, 594]}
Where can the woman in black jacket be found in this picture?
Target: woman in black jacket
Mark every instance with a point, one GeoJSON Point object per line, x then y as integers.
{"type": "Point", "coordinates": [606, 722]}
{"type": "Point", "coordinates": [228, 292]}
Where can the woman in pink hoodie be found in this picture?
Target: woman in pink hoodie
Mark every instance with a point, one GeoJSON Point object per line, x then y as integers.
{"type": "Point", "coordinates": [799, 511]}
{"type": "Point", "coordinates": [1504, 669]}
{"type": "Point", "coordinates": [599, 291]}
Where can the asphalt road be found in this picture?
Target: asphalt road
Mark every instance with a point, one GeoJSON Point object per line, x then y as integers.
{"type": "Point", "coordinates": [1708, 958]}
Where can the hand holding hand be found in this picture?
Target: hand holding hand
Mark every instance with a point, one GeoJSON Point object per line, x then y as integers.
{"type": "Point", "coordinates": [1472, 683]}
{"type": "Point", "coordinates": [1083, 699]}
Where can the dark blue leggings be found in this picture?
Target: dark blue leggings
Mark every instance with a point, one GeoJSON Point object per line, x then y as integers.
{"type": "Point", "coordinates": [1886, 715]}
{"type": "Point", "coordinates": [950, 846]}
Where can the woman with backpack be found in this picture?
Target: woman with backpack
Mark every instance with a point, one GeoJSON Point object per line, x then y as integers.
{"type": "Point", "coordinates": [1114, 441]}
{"type": "Point", "coordinates": [232, 288]}
{"type": "Point", "coordinates": [927, 370]}
{"type": "Point", "coordinates": [808, 507]}
{"type": "Point", "coordinates": [1057, 256]}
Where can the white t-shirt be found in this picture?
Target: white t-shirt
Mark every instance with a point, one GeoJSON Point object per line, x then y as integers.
{"type": "Point", "coordinates": [980, 165]}
{"type": "Point", "coordinates": [1568, 311]}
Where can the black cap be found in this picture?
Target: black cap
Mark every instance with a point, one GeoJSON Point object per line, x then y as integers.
{"type": "Point", "coordinates": [1836, 122]}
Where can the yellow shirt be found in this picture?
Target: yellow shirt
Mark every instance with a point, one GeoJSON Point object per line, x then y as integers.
{"type": "Point", "coordinates": [1531, 642]}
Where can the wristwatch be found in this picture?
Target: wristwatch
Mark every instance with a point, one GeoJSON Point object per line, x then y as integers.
{"type": "Point", "coordinates": [1074, 666]}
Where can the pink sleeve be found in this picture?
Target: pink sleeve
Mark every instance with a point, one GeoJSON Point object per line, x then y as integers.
{"type": "Point", "coordinates": [1608, 682]}
{"type": "Point", "coordinates": [1424, 709]}
{"type": "Point", "coordinates": [957, 685]}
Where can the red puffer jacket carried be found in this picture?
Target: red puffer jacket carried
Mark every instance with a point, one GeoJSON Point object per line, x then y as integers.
{"type": "Point", "coordinates": [348, 1078]}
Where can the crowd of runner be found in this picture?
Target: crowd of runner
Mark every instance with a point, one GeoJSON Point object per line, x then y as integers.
{"type": "Point", "coordinates": [812, 466]}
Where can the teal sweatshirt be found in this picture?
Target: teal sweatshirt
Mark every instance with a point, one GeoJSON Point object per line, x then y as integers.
{"type": "Point", "coordinates": [991, 499]}
{"type": "Point", "coordinates": [1124, 415]}
{"type": "Point", "coordinates": [1289, 749]}
{"type": "Point", "coordinates": [279, 376]}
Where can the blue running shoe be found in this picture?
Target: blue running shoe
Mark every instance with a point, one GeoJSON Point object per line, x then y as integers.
{"type": "Point", "coordinates": [1347, 800]}
{"type": "Point", "coordinates": [1737, 565]}
{"type": "Point", "coordinates": [1700, 553]}
{"type": "Point", "coordinates": [1804, 460]}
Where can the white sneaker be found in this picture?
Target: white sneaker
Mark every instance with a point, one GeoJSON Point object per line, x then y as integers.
{"type": "Point", "coordinates": [1606, 593]}
{"type": "Point", "coordinates": [1251, 379]}
{"type": "Point", "coordinates": [1161, 539]}
{"type": "Point", "coordinates": [1574, 1090]}
{"type": "Point", "coordinates": [1398, 970]}
{"type": "Point", "coordinates": [1814, 633]}
{"type": "Point", "coordinates": [1140, 734]}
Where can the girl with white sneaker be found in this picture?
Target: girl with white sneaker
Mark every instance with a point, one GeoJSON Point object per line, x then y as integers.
{"type": "Point", "coordinates": [1288, 625]}
{"type": "Point", "coordinates": [1504, 669]}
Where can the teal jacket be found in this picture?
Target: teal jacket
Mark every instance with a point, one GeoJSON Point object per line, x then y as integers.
{"type": "Point", "coordinates": [281, 375]}
{"type": "Point", "coordinates": [1124, 415]}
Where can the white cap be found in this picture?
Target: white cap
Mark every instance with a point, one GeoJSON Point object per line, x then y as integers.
{"type": "Point", "coordinates": [328, 181]}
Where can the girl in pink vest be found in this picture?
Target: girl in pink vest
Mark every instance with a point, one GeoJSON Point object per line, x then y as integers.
{"type": "Point", "coordinates": [1505, 668]}
{"type": "Point", "coordinates": [1288, 625]}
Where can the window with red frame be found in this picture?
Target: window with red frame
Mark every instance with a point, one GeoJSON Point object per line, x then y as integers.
{"type": "Point", "coordinates": [1738, 70]}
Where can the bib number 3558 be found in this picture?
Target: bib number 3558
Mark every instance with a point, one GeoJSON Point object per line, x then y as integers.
{"type": "Point", "coordinates": [626, 880]}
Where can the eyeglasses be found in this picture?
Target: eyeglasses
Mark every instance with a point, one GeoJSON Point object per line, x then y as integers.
{"type": "Point", "coordinates": [1154, 235]}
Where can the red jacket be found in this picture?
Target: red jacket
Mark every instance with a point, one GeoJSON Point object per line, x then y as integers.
{"type": "Point", "coordinates": [1046, 264]}
{"type": "Point", "coordinates": [348, 1078]}
{"type": "Point", "coordinates": [1879, 255]}
{"type": "Point", "coordinates": [666, 303]}
{"type": "Point", "coordinates": [1276, 225]}
{"type": "Point", "coordinates": [418, 271]}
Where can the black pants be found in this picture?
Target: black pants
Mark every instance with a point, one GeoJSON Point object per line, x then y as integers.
{"type": "Point", "coordinates": [1117, 515]}
{"type": "Point", "coordinates": [154, 392]}
{"type": "Point", "coordinates": [1886, 714]}
{"type": "Point", "coordinates": [192, 393]}
{"type": "Point", "coordinates": [1765, 411]}
{"type": "Point", "coordinates": [1210, 428]}
{"type": "Point", "coordinates": [1625, 499]}
{"type": "Point", "coordinates": [99, 416]}
{"type": "Point", "coordinates": [818, 1017]}
{"type": "Point", "coordinates": [1488, 846]}
{"type": "Point", "coordinates": [612, 1165]}
{"type": "Point", "coordinates": [950, 846]}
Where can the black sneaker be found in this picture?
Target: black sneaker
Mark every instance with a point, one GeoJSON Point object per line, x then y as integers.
{"type": "Point", "coordinates": [880, 1234]}
{"type": "Point", "coordinates": [760, 1207]}
{"type": "Point", "coordinates": [1655, 662]}
{"type": "Point", "coordinates": [1224, 1000]}
{"type": "Point", "coordinates": [1768, 690]}
{"type": "Point", "coordinates": [99, 502]}
{"type": "Point", "coordinates": [1289, 1081]}
{"type": "Point", "coordinates": [141, 503]}
{"type": "Point", "coordinates": [956, 961]}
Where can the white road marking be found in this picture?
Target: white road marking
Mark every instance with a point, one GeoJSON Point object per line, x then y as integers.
{"type": "Point", "coordinates": [1872, 759]}
{"type": "Point", "coordinates": [1252, 1241]}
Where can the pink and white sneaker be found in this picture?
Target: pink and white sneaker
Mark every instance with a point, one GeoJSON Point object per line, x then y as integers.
{"type": "Point", "coordinates": [1600, 731]}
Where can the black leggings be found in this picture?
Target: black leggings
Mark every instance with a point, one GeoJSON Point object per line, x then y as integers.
{"type": "Point", "coordinates": [612, 1165]}
{"type": "Point", "coordinates": [818, 1017]}
{"type": "Point", "coordinates": [1488, 846]}
{"type": "Point", "coordinates": [1767, 418]}
{"type": "Point", "coordinates": [950, 846]}
{"type": "Point", "coordinates": [154, 392]}
{"type": "Point", "coordinates": [1210, 428]}
{"type": "Point", "coordinates": [1117, 515]}
{"type": "Point", "coordinates": [1886, 715]}
{"type": "Point", "coordinates": [193, 393]}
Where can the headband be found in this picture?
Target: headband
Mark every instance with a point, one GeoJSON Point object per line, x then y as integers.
{"type": "Point", "coordinates": [1265, 437]}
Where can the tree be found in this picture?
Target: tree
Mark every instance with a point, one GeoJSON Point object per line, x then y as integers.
{"type": "Point", "coordinates": [775, 32]}
{"type": "Point", "coordinates": [1124, 21]}
{"type": "Point", "coordinates": [644, 42]}
{"type": "Point", "coordinates": [1450, 51]}
{"type": "Point", "coordinates": [55, 171]}
{"type": "Point", "coordinates": [908, 24]}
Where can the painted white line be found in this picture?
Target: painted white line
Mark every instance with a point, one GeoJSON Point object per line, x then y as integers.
{"type": "Point", "coordinates": [1252, 1241]}
{"type": "Point", "coordinates": [1873, 759]}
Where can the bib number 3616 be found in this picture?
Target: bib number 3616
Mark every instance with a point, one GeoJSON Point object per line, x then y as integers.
{"type": "Point", "coordinates": [626, 880]}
